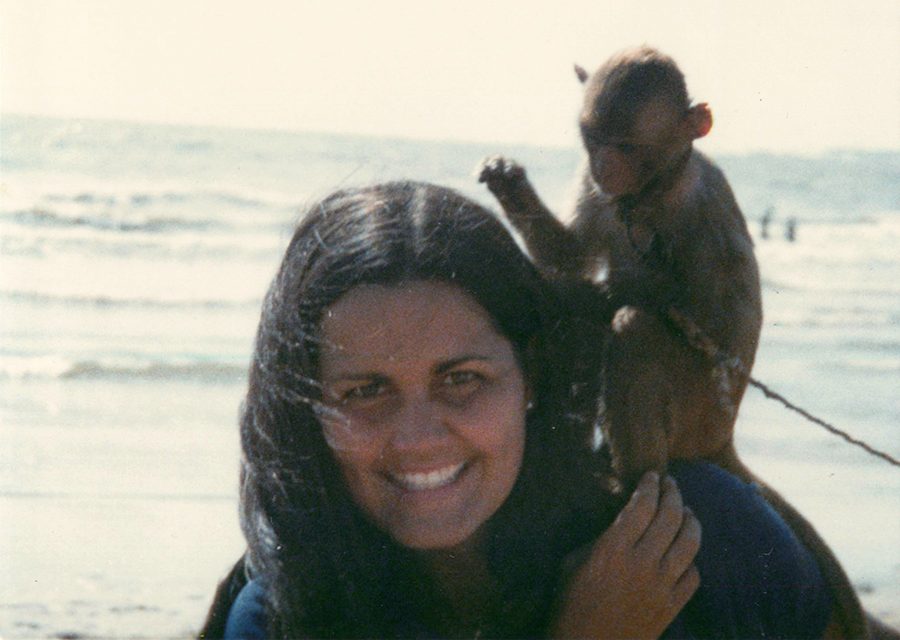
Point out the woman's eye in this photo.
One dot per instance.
(363, 392)
(458, 380)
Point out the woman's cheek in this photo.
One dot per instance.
(496, 413)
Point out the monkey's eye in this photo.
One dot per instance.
(625, 147)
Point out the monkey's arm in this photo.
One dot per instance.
(552, 246)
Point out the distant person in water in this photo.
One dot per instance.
(764, 223)
(411, 467)
(790, 229)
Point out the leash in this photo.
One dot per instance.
(696, 338)
(828, 427)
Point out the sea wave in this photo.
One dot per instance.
(148, 224)
(885, 347)
(879, 365)
(62, 368)
(146, 197)
(776, 286)
(37, 298)
(65, 191)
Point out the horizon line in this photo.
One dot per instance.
(391, 136)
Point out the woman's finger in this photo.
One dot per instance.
(640, 511)
(681, 553)
(661, 531)
(685, 587)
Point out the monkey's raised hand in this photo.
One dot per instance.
(507, 181)
(497, 170)
(639, 573)
(552, 246)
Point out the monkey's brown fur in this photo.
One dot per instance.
(663, 236)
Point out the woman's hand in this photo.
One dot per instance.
(639, 573)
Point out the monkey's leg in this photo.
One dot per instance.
(703, 426)
(638, 396)
(552, 246)
(659, 387)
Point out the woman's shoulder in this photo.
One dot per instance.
(757, 577)
(247, 617)
(226, 594)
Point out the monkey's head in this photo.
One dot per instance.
(637, 121)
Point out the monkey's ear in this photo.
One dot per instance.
(701, 119)
(581, 73)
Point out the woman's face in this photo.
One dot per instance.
(424, 409)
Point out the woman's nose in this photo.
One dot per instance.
(419, 422)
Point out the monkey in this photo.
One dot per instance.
(657, 229)
(657, 226)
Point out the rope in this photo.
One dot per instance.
(697, 339)
(828, 427)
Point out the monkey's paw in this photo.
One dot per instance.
(499, 173)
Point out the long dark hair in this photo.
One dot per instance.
(328, 572)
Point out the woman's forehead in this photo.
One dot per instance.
(408, 322)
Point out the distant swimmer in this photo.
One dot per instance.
(790, 229)
(764, 223)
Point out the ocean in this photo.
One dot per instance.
(133, 261)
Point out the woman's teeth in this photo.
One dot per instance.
(431, 480)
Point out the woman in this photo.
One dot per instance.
(414, 463)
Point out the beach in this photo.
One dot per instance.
(133, 261)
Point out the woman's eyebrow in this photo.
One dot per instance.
(350, 376)
(455, 362)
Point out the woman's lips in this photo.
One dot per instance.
(424, 481)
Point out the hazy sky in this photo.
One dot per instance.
(797, 76)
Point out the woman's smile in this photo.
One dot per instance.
(427, 480)
(425, 409)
